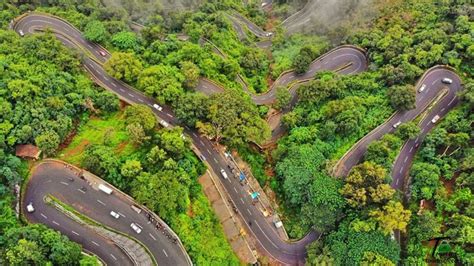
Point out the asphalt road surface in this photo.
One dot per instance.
(64, 183)
(432, 80)
(268, 240)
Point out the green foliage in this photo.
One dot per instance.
(366, 184)
(408, 130)
(162, 82)
(402, 97)
(95, 32)
(124, 66)
(283, 98)
(35, 244)
(234, 118)
(349, 247)
(125, 40)
(140, 114)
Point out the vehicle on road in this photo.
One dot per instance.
(21, 33)
(102, 53)
(105, 189)
(269, 34)
(157, 107)
(397, 124)
(164, 123)
(30, 207)
(224, 174)
(435, 119)
(183, 136)
(202, 157)
(447, 80)
(422, 88)
(136, 228)
(114, 214)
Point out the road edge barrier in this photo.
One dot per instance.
(180, 244)
(85, 220)
(337, 167)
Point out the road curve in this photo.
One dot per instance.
(268, 240)
(52, 177)
(434, 87)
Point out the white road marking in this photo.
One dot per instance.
(113, 257)
(266, 235)
(397, 182)
(56, 223)
(169, 115)
(215, 159)
(122, 215)
(432, 83)
(442, 109)
(122, 90)
(64, 183)
(411, 148)
(114, 85)
(207, 149)
(75, 233)
(235, 190)
(202, 143)
(416, 140)
(44, 216)
(81, 191)
(249, 211)
(95, 243)
(452, 101)
(106, 78)
(194, 134)
(88, 45)
(131, 95)
(401, 169)
(101, 202)
(241, 199)
(140, 100)
(165, 253)
(152, 236)
(406, 158)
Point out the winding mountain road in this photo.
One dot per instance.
(350, 60)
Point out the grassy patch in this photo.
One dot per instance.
(109, 130)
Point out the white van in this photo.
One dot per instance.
(105, 189)
(164, 123)
(224, 174)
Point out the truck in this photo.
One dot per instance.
(105, 189)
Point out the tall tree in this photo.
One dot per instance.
(124, 66)
(95, 31)
(402, 97)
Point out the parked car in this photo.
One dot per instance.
(224, 174)
(447, 80)
(21, 33)
(157, 107)
(164, 123)
(397, 124)
(422, 88)
(435, 119)
(30, 207)
(114, 214)
(136, 228)
(202, 157)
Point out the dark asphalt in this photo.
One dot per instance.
(268, 239)
(55, 179)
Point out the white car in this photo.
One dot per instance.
(397, 124)
(269, 34)
(136, 228)
(21, 33)
(224, 174)
(447, 80)
(422, 88)
(164, 123)
(183, 136)
(102, 53)
(435, 119)
(157, 107)
(30, 207)
(114, 214)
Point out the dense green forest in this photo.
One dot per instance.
(45, 96)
